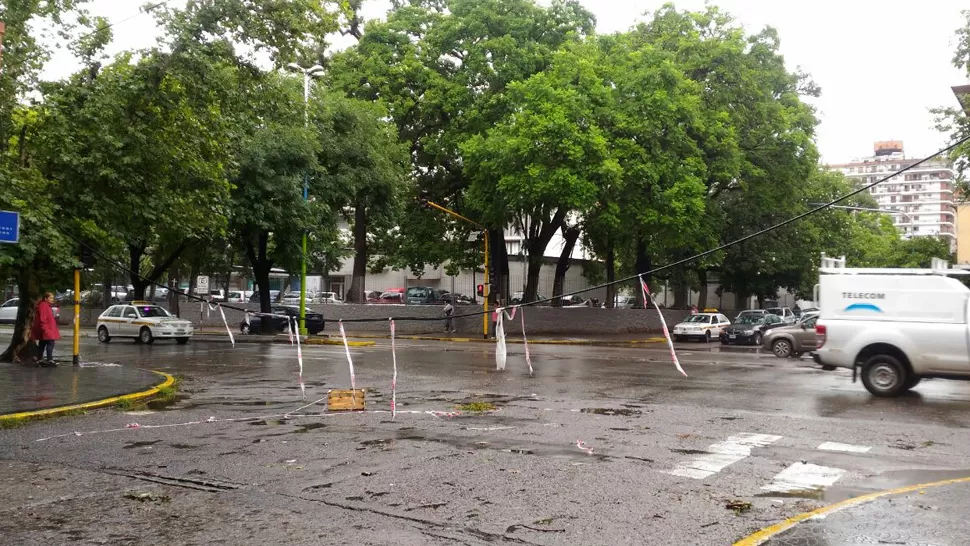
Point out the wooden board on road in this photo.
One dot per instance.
(345, 400)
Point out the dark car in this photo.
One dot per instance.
(750, 328)
(425, 295)
(277, 323)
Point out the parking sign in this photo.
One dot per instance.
(9, 226)
(202, 284)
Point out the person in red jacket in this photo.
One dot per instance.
(44, 329)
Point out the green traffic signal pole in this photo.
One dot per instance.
(307, 74)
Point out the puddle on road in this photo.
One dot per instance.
(133, 445)
(690, 451)
(184, 446)
(476, 444)
(612, 411)
(264, 422)
(303, 429)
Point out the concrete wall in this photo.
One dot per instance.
(547, 321)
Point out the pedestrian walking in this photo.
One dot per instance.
(44, 330)
(449, 321)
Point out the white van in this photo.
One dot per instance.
(894, 326)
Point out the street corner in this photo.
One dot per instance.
(927, 513)
(28, 394)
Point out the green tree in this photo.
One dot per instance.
(44, 256)
(955, 121)
(442, 69)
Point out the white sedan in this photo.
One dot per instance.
(704, 326)
(144, 322)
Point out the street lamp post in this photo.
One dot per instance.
(308, 73)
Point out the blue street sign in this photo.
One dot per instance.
(9, 226)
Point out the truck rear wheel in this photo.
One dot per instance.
(885, 376)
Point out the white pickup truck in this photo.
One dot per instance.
(894, 326)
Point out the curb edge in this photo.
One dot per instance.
(59, 410)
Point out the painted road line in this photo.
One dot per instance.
(763, 535)
(803, 477)
(722, 455)
(845, 448)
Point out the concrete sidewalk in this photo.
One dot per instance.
(931, 513)
(26, 388)
(332, 337)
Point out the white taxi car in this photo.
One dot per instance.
(143, 321)
(705, 326)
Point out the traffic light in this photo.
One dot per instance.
(481, 290)
(423, 199)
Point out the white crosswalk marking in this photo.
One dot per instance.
(846, 448)
(722, 455)
(801, 477)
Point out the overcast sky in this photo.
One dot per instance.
(880, 68)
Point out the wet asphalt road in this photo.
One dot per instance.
(656, 474)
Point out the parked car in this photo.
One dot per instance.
(794, 340)
(237, 296)
(750, 328)
(785, 313)
(392, 297)
(280, 320)
(328, 297)
(8, 311)
(517, 297)
(702, 326)
(425, 295)
(373, 296)
(754, 312)
(144, 322)
(274, 296)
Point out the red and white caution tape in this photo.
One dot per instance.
(525, 340)
(393, 377)
(299, 359)
(289, 330)
(226, 323)
(501, 352)
(350, 362)
(670, 343)
(582, 445)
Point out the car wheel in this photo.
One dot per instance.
(885, 376)
(181, 340)
(244, 328)
(724, 341)
(145, 336)
(781, 348)
(757, 339)
(103, 336)
(913, 381)
(707, 337)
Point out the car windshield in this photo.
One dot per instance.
(150, 311)
(750, 319)
(418, 292)
(776, 311)
(698, 318)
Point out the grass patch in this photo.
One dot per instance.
(477, 407)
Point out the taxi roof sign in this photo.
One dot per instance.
(710, 310)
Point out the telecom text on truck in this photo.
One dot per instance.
(894, 327)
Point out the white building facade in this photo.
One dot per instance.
(921, 200)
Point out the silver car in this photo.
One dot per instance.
(794, 340)
(144, 322)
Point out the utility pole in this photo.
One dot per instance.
(308, 73)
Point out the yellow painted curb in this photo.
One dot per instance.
(53, 412)
(313, 341)
(763, 535)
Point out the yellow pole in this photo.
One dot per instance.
(485, 289)
(77, 317)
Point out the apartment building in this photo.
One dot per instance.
(921, 200)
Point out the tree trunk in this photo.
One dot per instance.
(740, 301)
(498, 266)
(261, 266)
(21, 347)
(173, 295)
(610, 277)
(570, 236)
(643, 263)
(532, 280)
(355, 294)
(139, 282)
(538, 239)
(702, 280)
